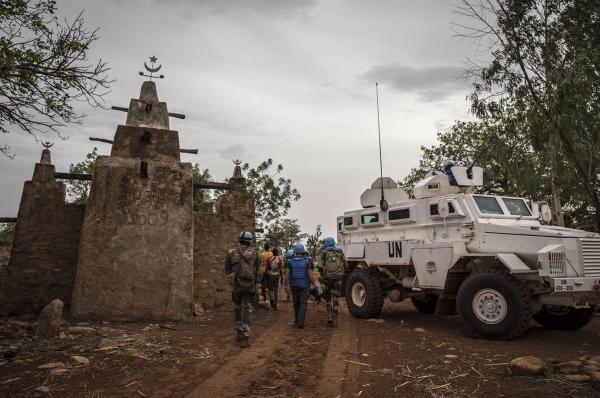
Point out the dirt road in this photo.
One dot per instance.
(402, 354)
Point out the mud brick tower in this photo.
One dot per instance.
(44, 251)
(136, 251)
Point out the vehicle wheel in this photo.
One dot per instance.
(564, 318)
(493, 304)
(425, 304)
(363, 294)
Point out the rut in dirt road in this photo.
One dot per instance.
(284, 361)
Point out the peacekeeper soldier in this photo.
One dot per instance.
(243, 266)
(332, 267)
(299, 276)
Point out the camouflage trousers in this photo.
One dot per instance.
(242, 303)
(332, 290)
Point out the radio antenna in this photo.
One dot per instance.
(382, 202)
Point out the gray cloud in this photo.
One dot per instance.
(194, 8)
(443, 124)
(232, 151)
(430, 83)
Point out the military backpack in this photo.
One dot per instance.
(245, 274)
(273, 266)
(333, 268)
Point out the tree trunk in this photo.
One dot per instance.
(557, 214)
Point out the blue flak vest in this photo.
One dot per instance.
(299, 272)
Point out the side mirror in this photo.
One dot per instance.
(443, 208)
(546, 212)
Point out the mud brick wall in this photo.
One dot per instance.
(135, 259)
(136, 252)
(45, 247)
(216, 230)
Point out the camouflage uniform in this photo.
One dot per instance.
(332, 288)
(243, 301)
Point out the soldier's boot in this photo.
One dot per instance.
(329, 319)
(239, 336)
(245, 342)
(273, 305)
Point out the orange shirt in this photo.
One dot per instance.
(266, 256)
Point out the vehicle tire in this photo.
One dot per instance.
(564, 318)
(493, 304)
(425, 304)
(364, 295)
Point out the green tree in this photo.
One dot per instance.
(545, 67)
(514, 168)
(44, 68)
(202, 195)
(505, 153)
(273, 193)
(284, 234)
(7, 233)
(79, 191)
(314, 242)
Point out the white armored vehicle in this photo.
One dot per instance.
(487, 258)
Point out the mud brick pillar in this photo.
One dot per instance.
(136, 251)
(44, 252)
(216, 230)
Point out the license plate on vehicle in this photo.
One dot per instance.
(566, 285)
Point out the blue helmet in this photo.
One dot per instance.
(290, 253)
(299, 249)
(245, 238)
(329, 241)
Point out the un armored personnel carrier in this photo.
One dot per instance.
(487, 258)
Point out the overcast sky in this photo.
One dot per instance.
(293, 80)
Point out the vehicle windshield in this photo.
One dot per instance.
(488, 205)
(491, 205)
(516, 207)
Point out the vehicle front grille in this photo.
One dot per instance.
(557, 263)
(590, 250)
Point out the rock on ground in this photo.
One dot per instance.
(50, 320)
(527, 366)
(80, 360)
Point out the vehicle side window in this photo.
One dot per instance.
(516, 207)
(340, 226)
(488, 205)
(433, 209)
(348, 221)
(400, 214)
(369, 218)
